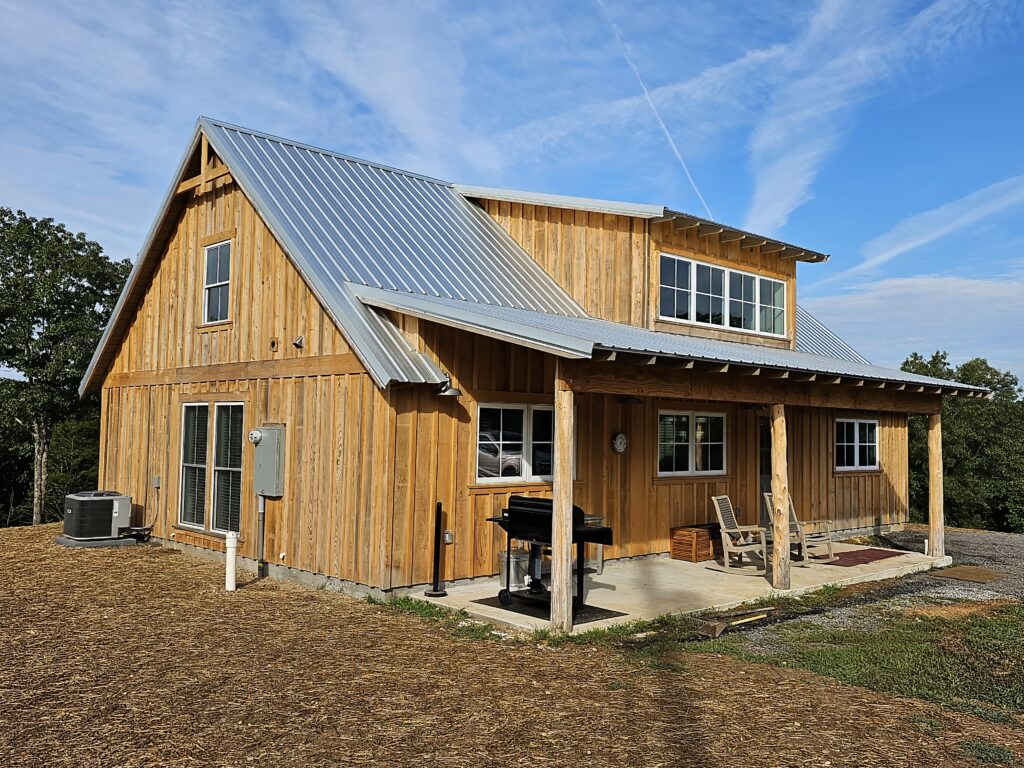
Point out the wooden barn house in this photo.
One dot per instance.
(424, 342)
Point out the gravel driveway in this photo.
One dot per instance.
(988, 549)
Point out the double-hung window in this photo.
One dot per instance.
(691, 443)
(856, 444)
(218, 273)
(225, 465)
(227, 468)
(704, 294)
(193, 464)
(515, 442)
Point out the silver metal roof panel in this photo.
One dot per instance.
(562, 201)
(570, 336)
(814, 337)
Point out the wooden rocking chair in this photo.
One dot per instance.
(805, 534)
(734, 541)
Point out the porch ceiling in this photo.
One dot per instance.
(580, 338)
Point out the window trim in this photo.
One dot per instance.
(213, 466)
(692, 450)
(208, 286)
(527, 410)
(726, 297)
(182, 465)
(857, 467)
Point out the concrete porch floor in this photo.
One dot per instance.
(645, 589)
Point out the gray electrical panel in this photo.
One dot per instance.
(268, 475)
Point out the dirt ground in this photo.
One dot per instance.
(137, 657)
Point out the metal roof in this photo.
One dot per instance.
(577, 337)
(814, 337)
(644, 211)
(347, 221)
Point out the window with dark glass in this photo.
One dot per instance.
(227, 468)
(742, 301)
(218, 271)
(691, 443)
(676, 294)
(193, 465)
(692, 292)
(500, 442)
(709, 297)
(856, 444)
(773, 306)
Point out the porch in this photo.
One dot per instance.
(628, 590)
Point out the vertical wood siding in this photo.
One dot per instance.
(608, 264)
(435, 459)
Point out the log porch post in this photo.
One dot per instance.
(780, 500)
(561, 522)
(936, 513)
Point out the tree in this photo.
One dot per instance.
(982, 448)
(57, 290)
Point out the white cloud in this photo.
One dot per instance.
(849, 53)
(934, 224)
(889, 319)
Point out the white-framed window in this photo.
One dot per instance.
(217, 280)
(704, 294)
(691, 443)
(195, 419)
(515, 442)
(856, 444)
(227, 467)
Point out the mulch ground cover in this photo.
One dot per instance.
(137, 657)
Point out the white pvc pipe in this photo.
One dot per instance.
(230, 550)
(926, 546)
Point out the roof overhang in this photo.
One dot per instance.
(653, 213)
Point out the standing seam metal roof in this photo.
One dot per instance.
(576, 337)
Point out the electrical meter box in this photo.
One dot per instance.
(268, 473)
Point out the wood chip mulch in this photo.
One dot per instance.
(137, 657)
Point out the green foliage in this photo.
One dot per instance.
(57, 290)
(986, 753)
(982, 448)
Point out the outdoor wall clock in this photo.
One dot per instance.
(620, 443)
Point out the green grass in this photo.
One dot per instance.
(973, 664)
(986, 753)
(455, 623)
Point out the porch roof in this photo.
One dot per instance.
(586, 337)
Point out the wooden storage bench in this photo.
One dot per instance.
(696, 543)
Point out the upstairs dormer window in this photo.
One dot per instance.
(218, 271)
(706, 294)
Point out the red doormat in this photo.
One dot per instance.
(862, 556)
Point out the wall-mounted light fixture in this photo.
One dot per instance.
(445, 388)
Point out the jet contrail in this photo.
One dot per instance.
(650, 102)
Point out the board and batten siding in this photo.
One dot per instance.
(609, 263)
(435, 460)
(333, 518)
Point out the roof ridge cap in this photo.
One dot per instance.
(321, 150)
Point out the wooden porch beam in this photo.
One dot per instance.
(674, 362)
(631, 358)
(773, 248)
(706, 230)
(936, 512)
(777, 374)
(732, 237)
(804, 377)
(603, 354)
(561, 518)
(780, 500)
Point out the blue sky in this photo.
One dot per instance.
(888, 134)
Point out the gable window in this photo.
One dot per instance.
(856, 444)
(690, 443)
(227, 468)
(515, 442)
(218, 270)
(193, 465)
(692, 292)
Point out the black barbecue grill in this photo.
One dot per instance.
(529, 520)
